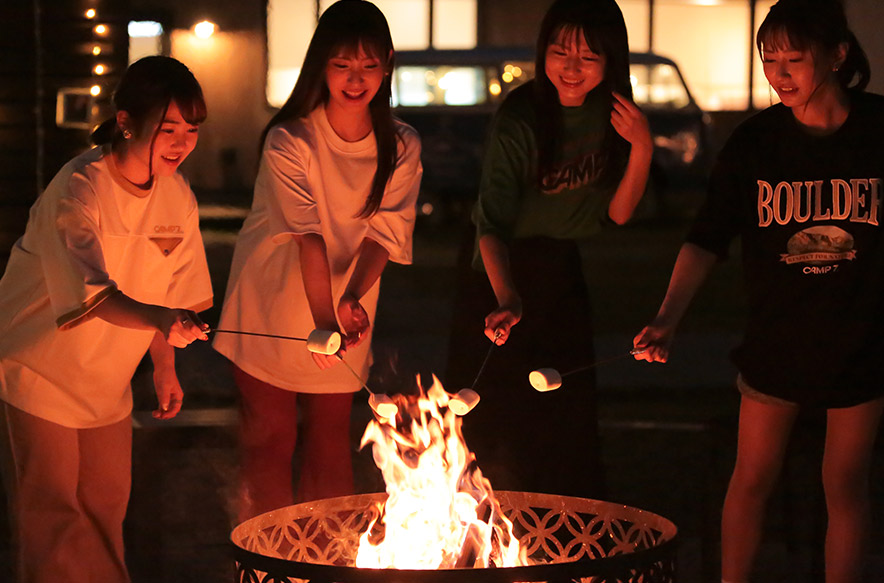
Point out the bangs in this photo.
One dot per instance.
(780, 37)
(192, 107)
(373, 47)
(569, 32)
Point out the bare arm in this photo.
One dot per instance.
(631, 124)
(316, 275)
(691, 269)
(178, 327)
(369, 267)
(165, 379)
(495, 256)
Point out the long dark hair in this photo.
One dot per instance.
(347, 25)
(147, 87)
(603, 27)
(820, 26)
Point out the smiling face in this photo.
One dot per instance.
(157, 148)
(353, 79)
(572, 67)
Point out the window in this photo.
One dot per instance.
(290, 24)
(145, 39)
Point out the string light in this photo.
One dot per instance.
(90, 14)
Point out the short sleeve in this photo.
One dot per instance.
(283, 179)
(719, 218)
(392, 225)
(505, 169)
(72, 255)
(191, 285)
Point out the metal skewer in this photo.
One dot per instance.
(632, 352)
(497, 335)
(549, 379)
(257, 334)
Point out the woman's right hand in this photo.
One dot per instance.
(653, 342)
(181, 327)
(500, 322)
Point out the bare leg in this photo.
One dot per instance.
(268, 430)
(850, 439)
(761, 444)
(327, 467)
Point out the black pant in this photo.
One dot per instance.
(523, 439)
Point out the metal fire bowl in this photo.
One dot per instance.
(568, 539)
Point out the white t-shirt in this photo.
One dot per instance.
(311, 181)
(88, 236)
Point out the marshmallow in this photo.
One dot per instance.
(463, 402)
(324, 342)
(545, 379)
(383, 405)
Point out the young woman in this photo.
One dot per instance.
(334, 201)
(568, 152)
(801, 185)
(113, 239)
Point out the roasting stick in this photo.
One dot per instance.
(319, 341)
(380, 403)
(328, 342)
(549, 379)
(465, 399)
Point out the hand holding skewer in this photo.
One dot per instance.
(549, 379)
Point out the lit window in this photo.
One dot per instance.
(290, 25)
(145, 39)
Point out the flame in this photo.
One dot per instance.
(440, 511)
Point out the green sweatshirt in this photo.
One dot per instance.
(570, 205)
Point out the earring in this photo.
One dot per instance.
(127, 134)
(835, 68)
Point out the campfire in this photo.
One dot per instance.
(440, 520)
(440, 512)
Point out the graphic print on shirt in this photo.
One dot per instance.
(574, 173)
(821, 248)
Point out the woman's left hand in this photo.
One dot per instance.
(169, 393)
(354, 320)
(629, 121)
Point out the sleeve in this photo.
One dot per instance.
(719, 218)
(393, 225)
(72, 255)
(283, 176)
(505, 169)
(191, 285)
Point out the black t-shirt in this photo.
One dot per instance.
(808, 211)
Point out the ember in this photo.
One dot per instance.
(440, 512)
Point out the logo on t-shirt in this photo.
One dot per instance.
(820, 247)
(573, 174)
(166, 244)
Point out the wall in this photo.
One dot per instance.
(865, 17)
(230, 67)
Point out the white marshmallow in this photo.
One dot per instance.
(463, 402)
(324, 342)
(383, 405)
(545, 379)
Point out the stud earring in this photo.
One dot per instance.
(127, 134)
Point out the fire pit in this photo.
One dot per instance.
(565, 539)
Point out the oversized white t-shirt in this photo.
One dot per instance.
(311, 181)
(87, 237)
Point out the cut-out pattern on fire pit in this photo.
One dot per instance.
(568, 539)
